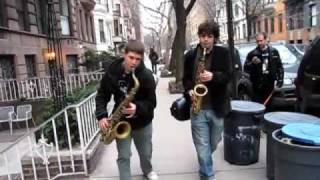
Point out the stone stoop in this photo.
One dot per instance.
(92, 155)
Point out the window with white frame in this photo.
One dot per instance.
(64, 17)
(313, 15)
(101, 31)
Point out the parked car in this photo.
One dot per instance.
(285, 95)
(297, 49)
(308, 78)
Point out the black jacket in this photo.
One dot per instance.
(145, 99)
(222, 72)
(275, 68)
(154, 57)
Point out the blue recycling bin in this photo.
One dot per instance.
(297, 152)
(276, 120)
(241, 134)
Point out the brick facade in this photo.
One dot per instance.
(22, 35)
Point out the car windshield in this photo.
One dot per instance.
(287, 57)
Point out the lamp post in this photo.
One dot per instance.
(54, 55)
(231, 43)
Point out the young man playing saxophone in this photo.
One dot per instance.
(207, 115)
(119, 82)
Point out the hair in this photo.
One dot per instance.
(210, 28)
(265, 36)
(134, 46)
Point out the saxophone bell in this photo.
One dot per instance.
(200, 90)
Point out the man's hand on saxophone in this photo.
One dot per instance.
(206, 76)
(104, 123)
(129, 110)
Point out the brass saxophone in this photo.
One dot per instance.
(117, 128)
(199, 89)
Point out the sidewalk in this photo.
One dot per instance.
(174, 156)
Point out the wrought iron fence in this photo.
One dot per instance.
(37, 88)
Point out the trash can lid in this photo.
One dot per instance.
(247, 106)
(303, 132)
(283, 118)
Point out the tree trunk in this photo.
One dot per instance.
(179, 43)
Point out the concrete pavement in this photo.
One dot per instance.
(174, 156)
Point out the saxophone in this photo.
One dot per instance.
(199, 89)
(117, 128)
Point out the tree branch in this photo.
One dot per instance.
(152, 10)
(189, 7)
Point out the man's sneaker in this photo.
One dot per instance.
(152, 175)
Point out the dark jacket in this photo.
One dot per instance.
(222, 72)
(275, 68)
(145, 99)
(153, 56)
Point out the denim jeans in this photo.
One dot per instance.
(142, 140)
(206, 133)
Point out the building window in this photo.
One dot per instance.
(259, 26)
(300, 18)
(280, 22)
(3, 18)
(107, 6)
(236, 10)
(31, 65)
(313, 15)
(101, 30)
(117, 10)
(254, 28)
(92, 29)
(244, 30)
(64, 17)
(72, 63)
(82, 25)
(23, 15)
(41, 10)
(116, 27)
(266, 28)
(7, 70)
(120, 29)
(272, 24)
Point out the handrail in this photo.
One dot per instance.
(47, 121)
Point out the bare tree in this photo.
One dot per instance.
(156, 27)
(250, 8)
(213, 8)
(179, 42)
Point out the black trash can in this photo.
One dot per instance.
(296, 159)
(241, 134)
(276, 120)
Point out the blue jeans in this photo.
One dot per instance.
(142, 140)
(206, 133)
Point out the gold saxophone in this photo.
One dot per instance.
(117, 128)
(199, 89)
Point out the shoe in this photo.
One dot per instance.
(152, 175)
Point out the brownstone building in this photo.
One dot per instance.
(271, 18)
(303, 20)
(23, 35)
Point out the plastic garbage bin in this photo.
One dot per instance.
(276, 120)
(296, 150)
(242, 132)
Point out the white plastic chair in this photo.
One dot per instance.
(7, 115)
(24, 113)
